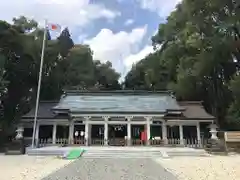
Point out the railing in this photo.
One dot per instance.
(190, 142)
(117, 142)
(195, 143)
(156, 142)
(137, 142)
(79, 141)
(44, 142)
(96, 142)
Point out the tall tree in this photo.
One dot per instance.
(65, 42)
(200, 52)
(19, 68)
(57, 52)
(105, 76)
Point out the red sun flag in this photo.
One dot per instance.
(54, 27)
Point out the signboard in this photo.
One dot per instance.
(232, 136)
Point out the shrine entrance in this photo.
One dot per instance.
(117, 135)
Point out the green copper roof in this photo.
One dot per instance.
(117, 102)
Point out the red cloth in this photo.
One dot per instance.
(143, 135)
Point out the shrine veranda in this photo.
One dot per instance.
(117, 118)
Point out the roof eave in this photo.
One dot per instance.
(120, 92)
(191, 118)
(117, 112)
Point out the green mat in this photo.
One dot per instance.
(74, 154)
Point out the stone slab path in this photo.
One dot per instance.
(112, 169)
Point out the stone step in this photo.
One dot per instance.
(121, 154)
(113, 151)
(12, 152)
(45, 153)
(119, 157)
(187, 153)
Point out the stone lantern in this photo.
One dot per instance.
(16, 146)
(214, 144)
(213, 131)
(19, 131)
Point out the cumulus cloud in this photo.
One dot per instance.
(129, 22)
(163, 8)
(66, 12)
(115, 47)
(134, 58)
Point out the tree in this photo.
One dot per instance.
(17, 48)
(24, 24)
(199, 53)
(65, 42)
(105, 76)
(56, 53)
(148, 74)
(65, 66)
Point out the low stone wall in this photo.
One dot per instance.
(233, 146)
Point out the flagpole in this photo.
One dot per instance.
(39, 84)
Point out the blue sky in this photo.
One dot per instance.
(119, 31)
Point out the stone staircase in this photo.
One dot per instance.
(99, 152)
(55, 151)
(122, 153)
(187, 152)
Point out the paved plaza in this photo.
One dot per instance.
(182, 166)
(112, 169)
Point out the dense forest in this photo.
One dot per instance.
(66, 66)
(197, 55)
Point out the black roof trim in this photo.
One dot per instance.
(186, 118)
(176, 110)
(116, 112)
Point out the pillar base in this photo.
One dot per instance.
(148, 142)
(129, 142)
(105, 142)
(181, 141)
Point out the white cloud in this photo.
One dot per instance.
(163, 8)
(129, 22)
(81, 38)
(115, 47)
(66, 12)
(134, 58)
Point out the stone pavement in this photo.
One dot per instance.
(112, 169)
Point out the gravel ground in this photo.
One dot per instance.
(109, 169)
(25, 167)
(203, 168)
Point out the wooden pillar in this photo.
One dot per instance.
(148, 128)
(71, 129)
(129, 131)
(181, 134)
(86, 134)
(106, 130)
(164, 132)
(54, 133)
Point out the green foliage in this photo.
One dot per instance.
(199, 55)
(65, 66)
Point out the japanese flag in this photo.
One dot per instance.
(54, 27)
